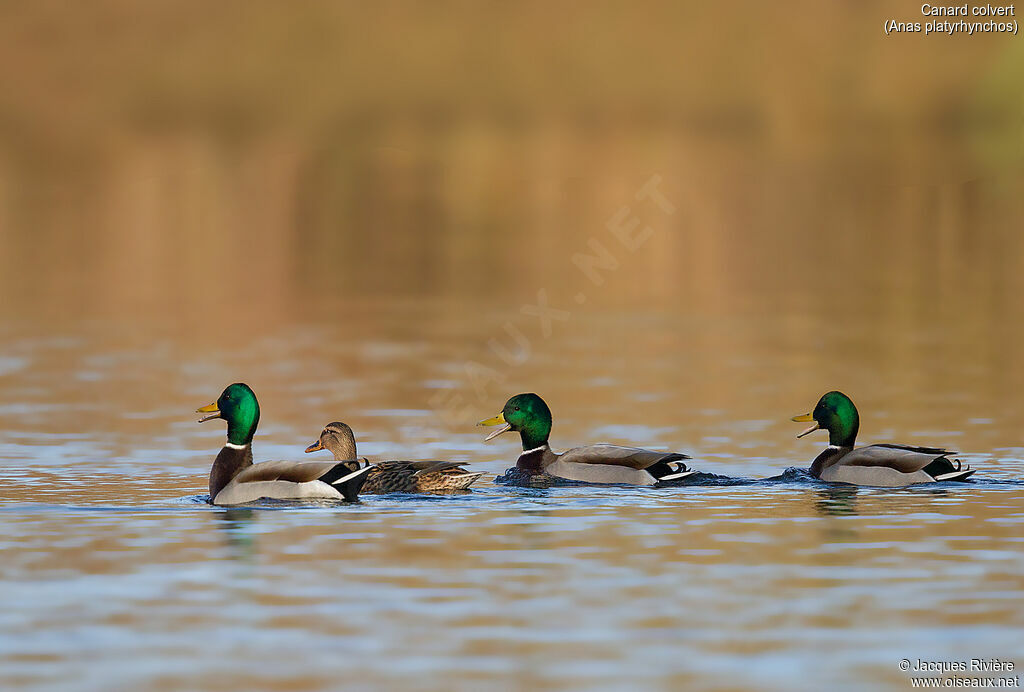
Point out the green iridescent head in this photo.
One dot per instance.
(238, 406)
(836, 413)
(526, 414)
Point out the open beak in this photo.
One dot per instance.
(805, 419)
(315, 447)
(497, 420)
(211, 409)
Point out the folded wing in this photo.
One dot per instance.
(631, 457)
(290, 471)
(422, 467)
(905, 459)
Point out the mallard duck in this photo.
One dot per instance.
(394, 476)
(528, 415)
(884, 465)
(234, 479)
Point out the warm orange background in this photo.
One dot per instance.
(154, 153)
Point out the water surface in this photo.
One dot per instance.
(118, 575)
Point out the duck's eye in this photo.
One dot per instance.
(517, 408)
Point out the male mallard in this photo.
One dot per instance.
(234, 479)
(394, 476)
(885, 465)
(528, 415)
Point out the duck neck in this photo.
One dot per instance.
(343, 448)
(242, 425)
(231, 461)
(533, 441)
(843, 432)
(841, 419)
(535, 434)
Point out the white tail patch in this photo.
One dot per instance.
(676, 476)
(954, 474)
(352, 475)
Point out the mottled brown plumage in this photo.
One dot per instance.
(395, 476)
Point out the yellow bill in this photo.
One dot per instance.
(806, 418)
(212, 409)
(497, 420)
(315, 447)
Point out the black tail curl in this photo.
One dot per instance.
(943, 469)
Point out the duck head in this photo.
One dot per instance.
(238, 406)
(338, 439)
(836, 413)
(526, 414)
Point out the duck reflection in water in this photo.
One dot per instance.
(837, 500)
(848, 500)
(237, 524)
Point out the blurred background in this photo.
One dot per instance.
(348, 205)
(177, 166)
(247, 158)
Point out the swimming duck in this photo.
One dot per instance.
(394, 476)
(528, 415)
(234, 479)
(884, 465)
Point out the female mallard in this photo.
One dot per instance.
(394, 476)
(528, 415)
(234, 479)
(885, 465)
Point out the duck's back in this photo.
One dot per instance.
(419, 477)
(878, 476)
(611, 464)
(884, 465)
(283, 480)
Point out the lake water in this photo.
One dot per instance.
(117, 575)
